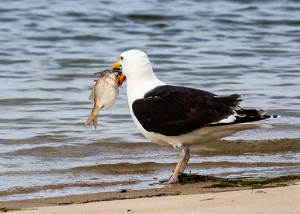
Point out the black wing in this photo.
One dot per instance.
(173, 110)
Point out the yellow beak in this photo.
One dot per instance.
(116, 65)
(122, 77)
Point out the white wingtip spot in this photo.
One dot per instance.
(229, 119)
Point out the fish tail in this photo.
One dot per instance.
(92, 118)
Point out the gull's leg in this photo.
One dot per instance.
(183, 157)
(185, 160)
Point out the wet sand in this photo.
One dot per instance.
(188, 198)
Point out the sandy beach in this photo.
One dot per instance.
(189, 198)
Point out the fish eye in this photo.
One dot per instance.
(121, 57)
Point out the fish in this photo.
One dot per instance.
(104, 93)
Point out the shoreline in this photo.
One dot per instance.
(205, 190)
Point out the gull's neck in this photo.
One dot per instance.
(139, 85)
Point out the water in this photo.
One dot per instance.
(49, 51)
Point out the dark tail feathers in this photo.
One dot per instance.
(250, 115)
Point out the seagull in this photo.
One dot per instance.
(180, 116)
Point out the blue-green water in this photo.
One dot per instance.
(49, 51)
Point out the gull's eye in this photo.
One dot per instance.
(121, 57)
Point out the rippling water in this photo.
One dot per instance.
(50, 50)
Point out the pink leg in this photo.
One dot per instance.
(183, 159)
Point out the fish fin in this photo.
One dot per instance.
(91, 97)
(109, 106)
(99, 73)
(92, 118)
